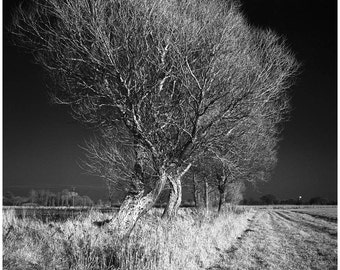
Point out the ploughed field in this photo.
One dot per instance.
(292, 237)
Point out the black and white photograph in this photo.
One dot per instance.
(169, 134)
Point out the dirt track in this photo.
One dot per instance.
(283, 239)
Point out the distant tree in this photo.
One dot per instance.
(59, 199)
(176, 77)
(234, 193)
(248, 156)
(81, 200)
(318, 201)
(196, 188)
(268, 199)
(18, 200)
(111, 191)
(47, 198)
(33, 196)
(8, 198)
(289, 201)
(40, 196)
(196, 185)
(333, 202)
(65, 198)
(100, 202)
(52, 200)
(252, 201)
(244, 202)
(87, 201)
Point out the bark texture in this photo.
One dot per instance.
(221, 201)
(195, 190)
(175, 197)
(136, 205)
(206, 193)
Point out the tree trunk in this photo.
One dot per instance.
(195, 187)
(221, 201)
(133, 207)
(206, 193)
(136, 205)
(175, 197)
(198, 196)
(109, 189)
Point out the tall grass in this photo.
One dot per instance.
(192, 241)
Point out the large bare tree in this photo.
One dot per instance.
(176, 76)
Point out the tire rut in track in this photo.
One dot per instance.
(314, 248)
(253, 247)
(245, 233)
(328, 219)
(240, 239)
(303, 220)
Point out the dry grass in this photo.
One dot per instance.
(193, 241)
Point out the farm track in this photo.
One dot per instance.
(283, 239)
(330, 219)
(306, 220)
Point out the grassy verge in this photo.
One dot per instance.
(193, 241)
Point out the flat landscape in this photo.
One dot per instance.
(170, 147)
(286, 239)
(242, 238)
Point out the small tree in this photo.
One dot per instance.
(268, 199)
(234, 192)
(318, 200)
(196, 190)
(248, 156)
(65, 198)
(33, 196)
(87, 201)
(8, 198)
(59, 199)
(176, 76)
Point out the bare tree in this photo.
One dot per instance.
(33, 196)
(249, 155)
(196, 186)
(177, 76)
(127, 169)
(234, 194)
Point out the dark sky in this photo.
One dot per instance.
(41, 141)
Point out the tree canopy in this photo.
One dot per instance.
(171, 80)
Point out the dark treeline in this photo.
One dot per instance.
(270, 199)
(200, 197)
(47, 198)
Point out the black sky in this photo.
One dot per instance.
(41, 140)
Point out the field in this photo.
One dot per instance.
(286, 239)
(241, 238)
(327, 213)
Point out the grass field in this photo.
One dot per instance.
(242, 238)
(191, 242)
(328, 213)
